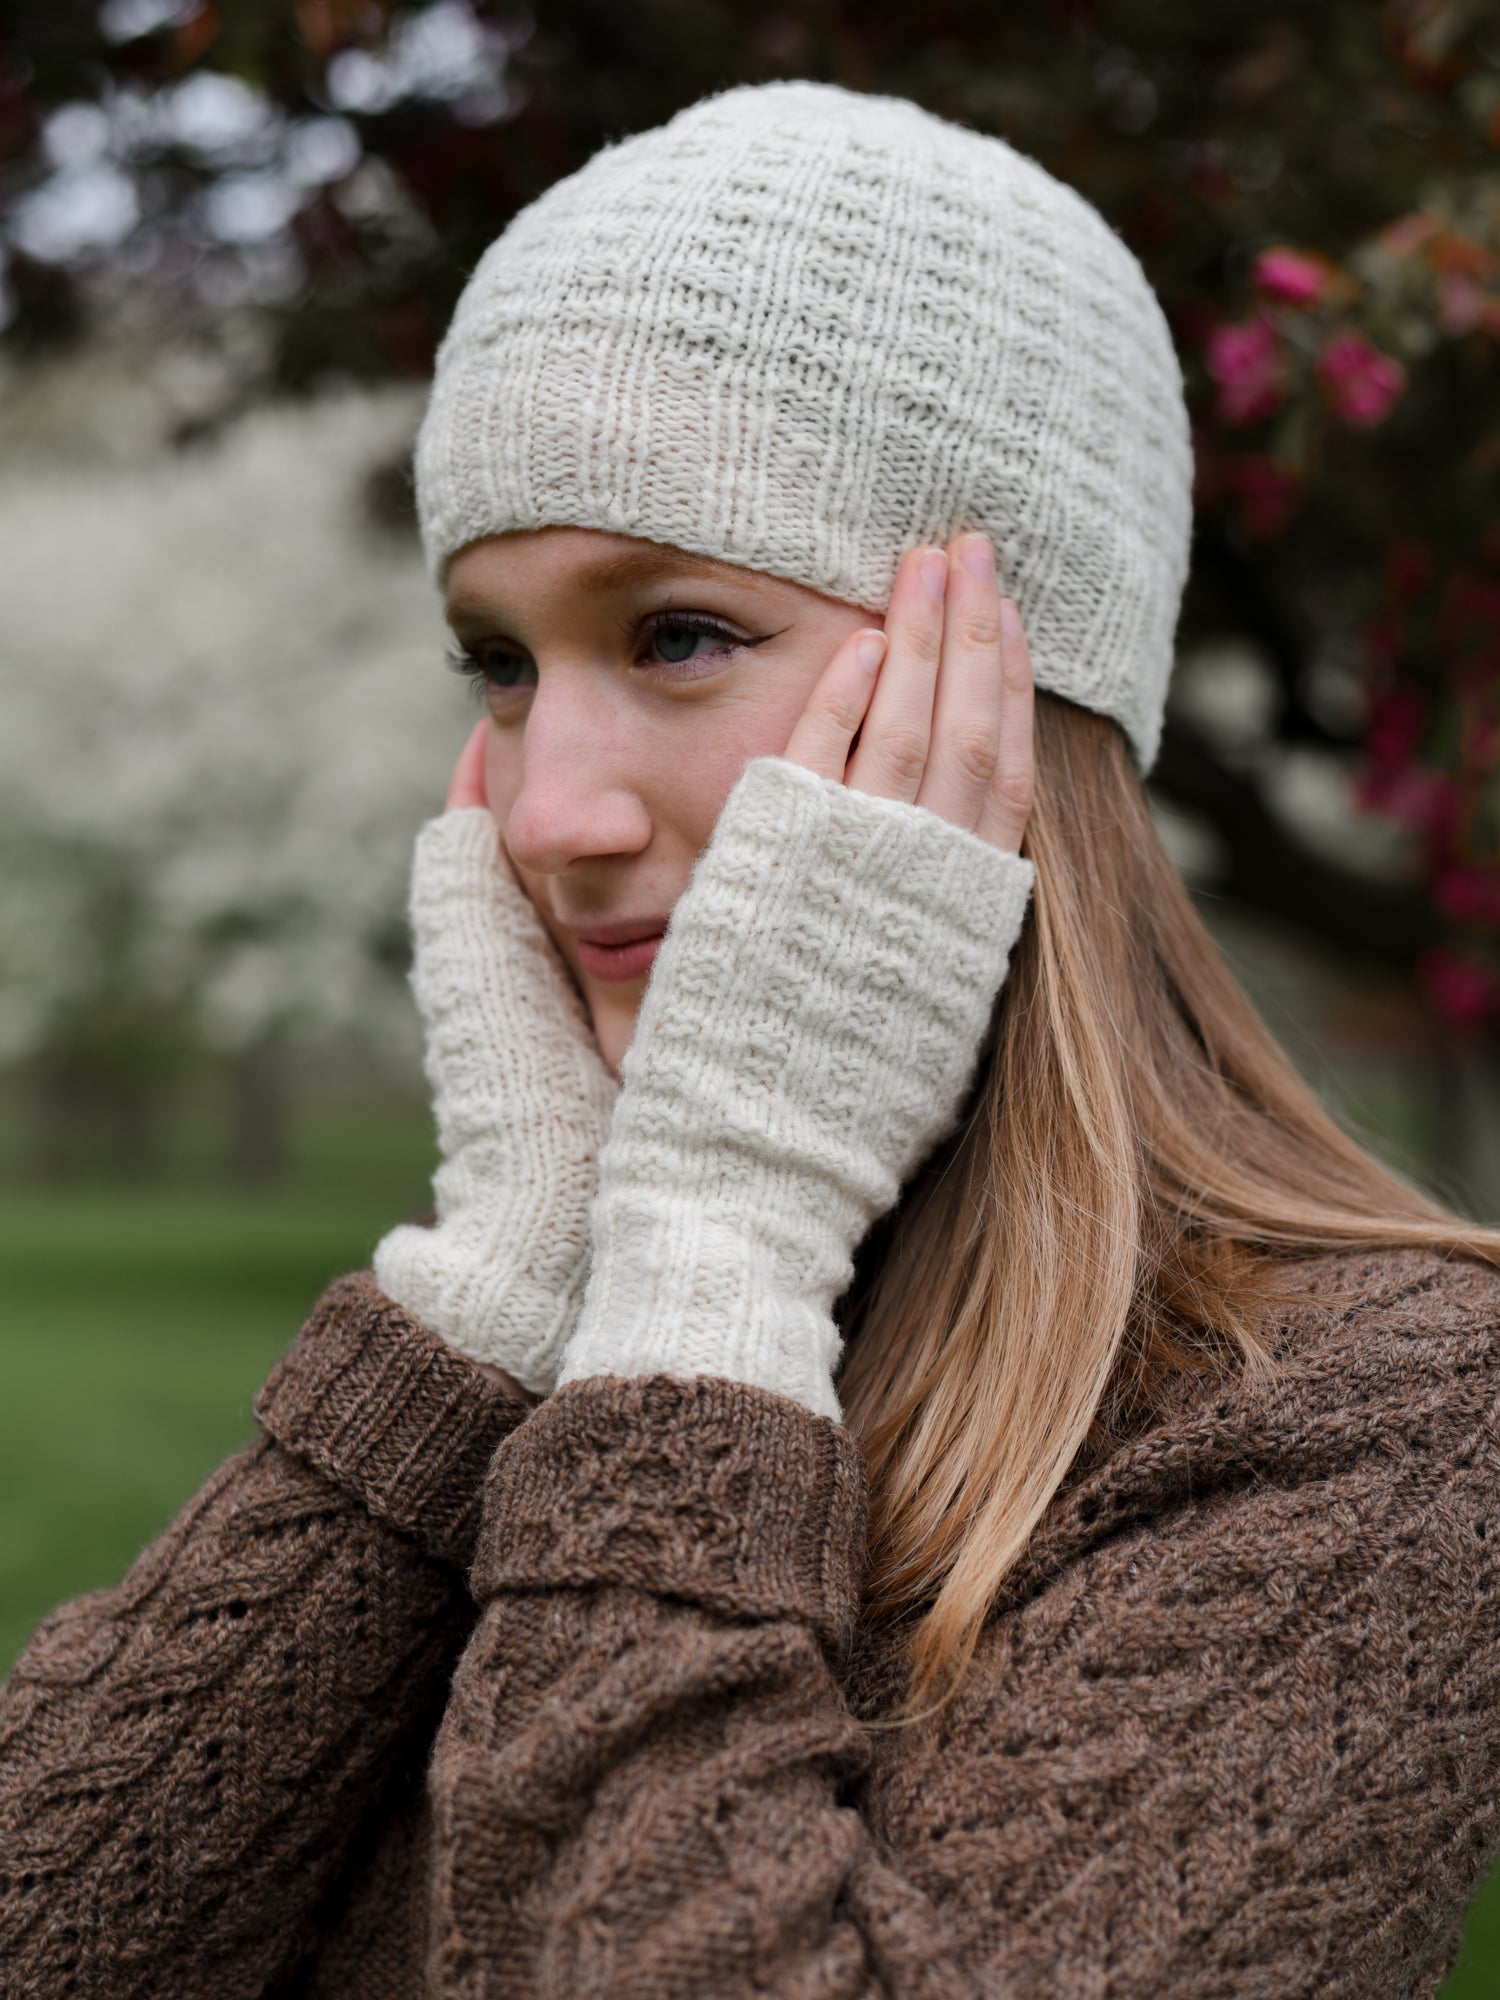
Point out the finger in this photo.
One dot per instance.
(1007, 802)
(466, 786)
(965, 747)
(837, 706)
(892, 753)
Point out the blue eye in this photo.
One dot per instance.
(676, 642)
(490, 667)
(673, 640)
(507, 670)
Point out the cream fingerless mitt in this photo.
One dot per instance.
(810, 1031)
(522, 1099)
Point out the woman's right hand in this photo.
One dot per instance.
(522, 1099)
(818, 1005)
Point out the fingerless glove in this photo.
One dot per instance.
(810, 1031)
(522, 1099)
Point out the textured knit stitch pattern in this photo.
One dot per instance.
(803, 329)
(192, 1761)
(810, 1030)
(1233, 1732)
(522, 1099)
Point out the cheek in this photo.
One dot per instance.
(699, 768)
(682, 761)
(703, 776)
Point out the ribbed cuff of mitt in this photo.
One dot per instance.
(810, 1032)
(388, 1412)
(707, 1491)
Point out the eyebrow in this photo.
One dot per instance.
(624, 569)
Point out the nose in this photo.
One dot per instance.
(576, 801)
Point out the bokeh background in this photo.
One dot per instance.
(231, 232)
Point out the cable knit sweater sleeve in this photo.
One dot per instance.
(1234, 1730)
(186, 1758)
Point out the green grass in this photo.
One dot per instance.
(1477, 1974)
(136, 1325)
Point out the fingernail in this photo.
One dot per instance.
(1010, 618)
(870, 651)
(934, 569)
(977, 554)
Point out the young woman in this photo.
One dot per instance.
(912, 1458)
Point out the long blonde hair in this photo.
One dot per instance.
(1139, 1158)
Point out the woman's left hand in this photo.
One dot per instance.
(522, 1099)
(936, 711)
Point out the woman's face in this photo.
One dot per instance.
(628, 685)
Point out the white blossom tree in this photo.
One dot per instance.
(224, 715)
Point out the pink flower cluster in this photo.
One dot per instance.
(1248, 359)
(1409, 772)
(1394, 782)
(1427, 801)
(1362, 383)
(1460, 979)
(1290, 276)
(1245, 360)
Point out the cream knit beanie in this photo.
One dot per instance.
(804, 329)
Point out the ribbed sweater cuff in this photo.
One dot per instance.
(708, 1490)
(385, 1410)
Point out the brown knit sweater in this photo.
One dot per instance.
(1234, 1730)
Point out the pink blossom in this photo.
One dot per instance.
(1464, 992)
(1245, 360)
(1423, 800)
(1362, 381)
(1469, 895)
(1288, 275)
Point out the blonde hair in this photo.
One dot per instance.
(1139, 1158)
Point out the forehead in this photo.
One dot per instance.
(590, 561)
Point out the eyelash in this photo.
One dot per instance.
(476, 669)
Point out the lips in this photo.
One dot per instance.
(619, 951)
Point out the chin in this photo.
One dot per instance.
(613, 1016)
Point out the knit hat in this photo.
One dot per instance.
(805, 329)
